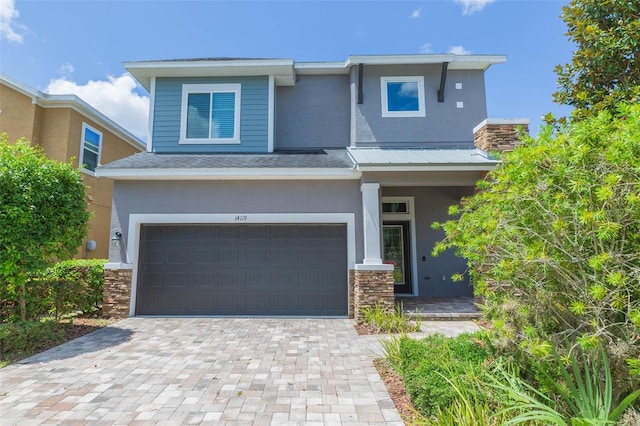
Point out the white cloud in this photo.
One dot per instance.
(66, 69)
(426, 48)
(9, 28)
(469, 7)
(416, 13)
(459, 50)
(114, 97)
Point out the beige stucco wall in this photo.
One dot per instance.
(18, 114)
(58, 131)
(99, 190)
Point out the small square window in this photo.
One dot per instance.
(210, 113)
(402, 96)
(90, 148)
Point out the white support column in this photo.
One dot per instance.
(371, 214)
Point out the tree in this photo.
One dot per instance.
(43, 213)
(553, 240)
(605, 68)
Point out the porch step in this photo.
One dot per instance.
(445, 316)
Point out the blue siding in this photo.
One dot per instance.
(253, 115)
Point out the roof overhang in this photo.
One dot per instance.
(415, 160)
(75, 103)
(228, 174)
(282, 69)
(456, 62)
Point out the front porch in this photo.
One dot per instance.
(440, 309)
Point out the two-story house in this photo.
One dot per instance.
(66, 127)
(271, 187)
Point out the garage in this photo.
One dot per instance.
(243, 269)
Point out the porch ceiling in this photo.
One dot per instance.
(381, 159)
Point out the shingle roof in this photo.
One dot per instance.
(323, 159)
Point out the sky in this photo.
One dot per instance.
(78, 47)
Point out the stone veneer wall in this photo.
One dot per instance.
(371, 287)
(352, 283)
(117, 293)
(498, 137)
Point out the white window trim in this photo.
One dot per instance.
(209, 88)
(81, 156)
(403, 79)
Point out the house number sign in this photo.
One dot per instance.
(241, 218)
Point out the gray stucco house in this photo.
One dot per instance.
(271, 187)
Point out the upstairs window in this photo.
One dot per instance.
(210, 113)
(402, 96)
(91, 145)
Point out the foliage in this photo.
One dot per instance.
(43, 213)
(391, 349)
(471, 407)
(605, 68)
(24, 338)
(70, 286)
(428, 364)
(553, 242)
(396, 321)
(73, 285)
(586, 399)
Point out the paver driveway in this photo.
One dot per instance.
(202, 370)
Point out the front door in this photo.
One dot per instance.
(396, 252)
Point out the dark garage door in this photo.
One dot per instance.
(261, 269)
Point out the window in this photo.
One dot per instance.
(90, 149)
(402, 96)
(210, 113)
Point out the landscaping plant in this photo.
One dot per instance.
(384, 321)
(553, 243)
(43, 215)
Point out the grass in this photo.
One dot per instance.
(22, 339)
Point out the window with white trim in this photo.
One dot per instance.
(90, 148)
(402, 96)
(210, 113)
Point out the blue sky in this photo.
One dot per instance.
(79, 46)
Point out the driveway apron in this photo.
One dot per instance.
(202, 371)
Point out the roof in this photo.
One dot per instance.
(317, 164)
(381, 159)
(75, 103)
(284, 70)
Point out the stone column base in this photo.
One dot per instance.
(117, 293)
(372, 284)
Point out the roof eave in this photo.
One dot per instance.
(229, 173)
(282, 69)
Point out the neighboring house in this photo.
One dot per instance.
(65, 126)
(271, 187)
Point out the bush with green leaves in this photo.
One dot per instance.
(553, 242)
(43, 214)
(428, 364)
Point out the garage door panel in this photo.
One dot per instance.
(242, 270)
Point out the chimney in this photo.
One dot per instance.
(499, 134)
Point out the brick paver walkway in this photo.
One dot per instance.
(202, 371)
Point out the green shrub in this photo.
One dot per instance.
(23, 338)
(74, 285)
(396, 321)
(553, 242)
(429, 363)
